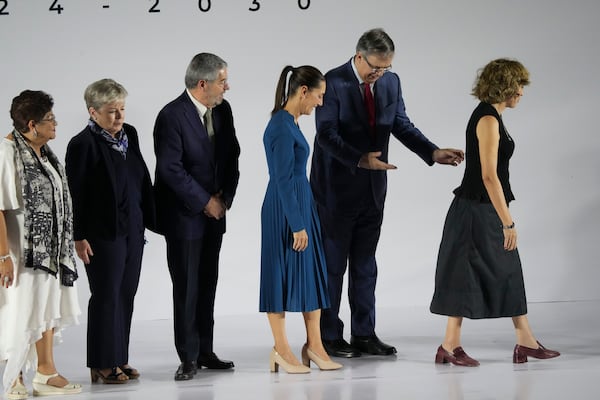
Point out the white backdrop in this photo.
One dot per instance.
(440, 45)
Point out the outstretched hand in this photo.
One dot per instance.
(448, 156)
(371, 161)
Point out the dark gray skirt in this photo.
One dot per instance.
(475, 277)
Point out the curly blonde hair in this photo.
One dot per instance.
(500, 80)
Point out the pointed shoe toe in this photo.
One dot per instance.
(276, 361)
(324, 365)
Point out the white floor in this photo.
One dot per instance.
(571, 327)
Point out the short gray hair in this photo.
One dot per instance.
(375, 41)
(103, 92)
(203, 67)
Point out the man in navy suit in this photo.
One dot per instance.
(362, 106)
(196, 178)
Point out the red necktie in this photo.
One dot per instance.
(370, 105)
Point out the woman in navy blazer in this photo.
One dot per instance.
(112, 206)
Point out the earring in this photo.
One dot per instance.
(35, 134)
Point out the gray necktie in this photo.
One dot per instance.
(208, 124)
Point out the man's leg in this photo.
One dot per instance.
(207, 287)
(205, 307)
(362, 281)
(363, 272)
(183, 257)
(337, 234)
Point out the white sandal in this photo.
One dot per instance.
(17, 392)
(42, 388)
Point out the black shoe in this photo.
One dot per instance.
(340, 348)
(372, 345)
(211, 361)
(186, 371)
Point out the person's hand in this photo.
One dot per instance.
(83, 250)
(300, 240)
(220, 197)
(215, 208)
(371, 161)
(510, 238)
(448, 156)
(6, 272)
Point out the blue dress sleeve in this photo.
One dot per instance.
(280, 143)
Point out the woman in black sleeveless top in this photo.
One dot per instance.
(479, 271)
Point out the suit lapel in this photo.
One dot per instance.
(105, 155)
(191, 114)
(355, 95)
(199, 130)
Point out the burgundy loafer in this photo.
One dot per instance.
(521, 353)
(457, 357)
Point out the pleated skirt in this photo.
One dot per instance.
(475, 276)
(291, 280)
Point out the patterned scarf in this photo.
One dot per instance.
(48, 228)
(118, 143)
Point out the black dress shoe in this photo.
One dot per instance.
(340, 348)
(186, 371)
(211, 361)
(372, 345)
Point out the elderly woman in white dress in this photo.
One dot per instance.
(37, 268)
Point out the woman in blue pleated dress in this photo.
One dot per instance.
(293, 270)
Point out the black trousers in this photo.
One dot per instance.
(113, 276)
(194, 266)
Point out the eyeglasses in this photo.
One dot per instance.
(52, 120)
(221, 83)
(375, 69)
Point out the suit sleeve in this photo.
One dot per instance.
(280, 143)
(408, 134)
(80, 155)
(231, 162)
(328, 134)
(148, 206)
(168, 147)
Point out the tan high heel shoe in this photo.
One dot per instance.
(276, 361)
(308, 355)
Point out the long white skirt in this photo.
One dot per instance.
(35, 303)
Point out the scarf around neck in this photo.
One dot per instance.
(119, 143)
(48, 217)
